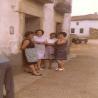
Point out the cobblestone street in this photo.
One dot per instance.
(79, 80)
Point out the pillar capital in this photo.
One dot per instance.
(63, 6)
(66, 23)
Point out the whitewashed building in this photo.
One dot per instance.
(84, 24)
(18, 16)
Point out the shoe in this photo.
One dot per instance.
(57, 69)
(37, 74)
(41, 69)
(61, 69)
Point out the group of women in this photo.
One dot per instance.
(37, 48)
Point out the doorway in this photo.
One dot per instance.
(58, 27)
(32, 23)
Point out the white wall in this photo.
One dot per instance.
(8, 18)
(86, 24)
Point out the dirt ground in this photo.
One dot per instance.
(79, 80)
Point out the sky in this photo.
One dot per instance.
(83, 7)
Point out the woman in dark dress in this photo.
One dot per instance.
(30, 54)
(61, 50)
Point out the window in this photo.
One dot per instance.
(77, 23)
(72, 30)
(81, 30)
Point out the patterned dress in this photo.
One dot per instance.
(30, 53)
(60, 51)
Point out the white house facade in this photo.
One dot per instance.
(82, 25)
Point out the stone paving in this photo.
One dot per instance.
(79, 80)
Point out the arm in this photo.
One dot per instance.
(39, 42)
(25, 44)
(50, 44)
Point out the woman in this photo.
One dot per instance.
(61, 50)
(30, 54)
(49, 54)
(40, 46)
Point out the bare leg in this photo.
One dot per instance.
(36, 67)
(60, 64)
(43, 62)
(50, 64)
(39, 64)
(34, 70)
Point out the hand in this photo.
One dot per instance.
(46, 42)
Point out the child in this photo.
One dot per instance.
(49, 55)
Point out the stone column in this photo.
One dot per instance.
(49, 19)
(66, 23)
(67, 17)
(66, 28)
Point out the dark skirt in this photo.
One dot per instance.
(61, 51)
(61, 55)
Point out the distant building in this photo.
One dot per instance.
(85, 25)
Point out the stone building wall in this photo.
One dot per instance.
(12, 20)
(13, 17)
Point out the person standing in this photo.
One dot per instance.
(49, 54)
(30, 53)
(6, 77)
(61, 50)
(40, 41)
